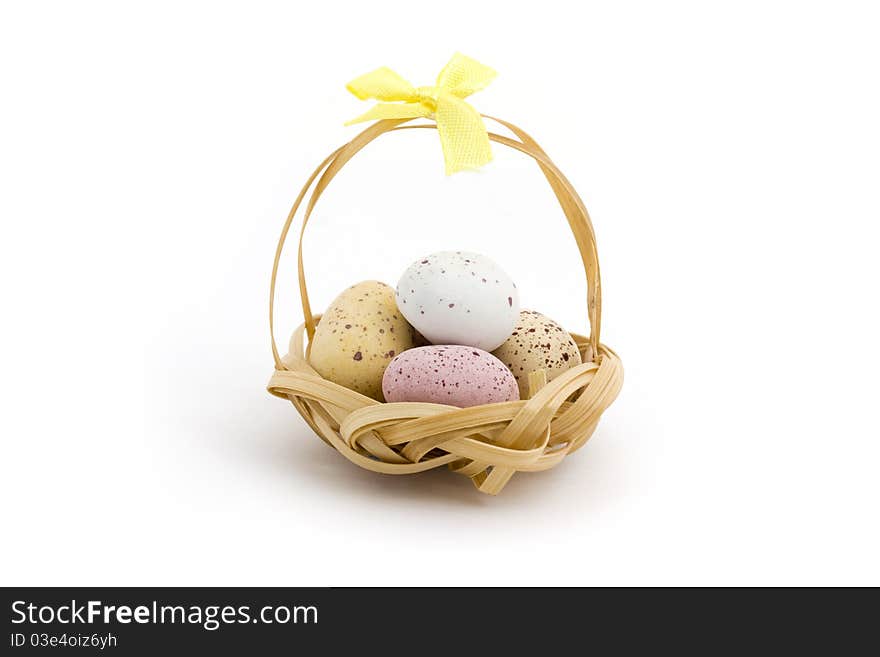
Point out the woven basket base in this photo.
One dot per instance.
(487, 443)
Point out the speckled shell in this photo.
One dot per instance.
(449, 374)
(537, 342)
(357, 337)
(461, 298)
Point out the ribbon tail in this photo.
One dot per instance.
(463, 135)
(392, 111)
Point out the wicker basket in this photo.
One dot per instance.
(487, 443)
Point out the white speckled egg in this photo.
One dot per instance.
(448, 374)
(461, 298)
(358, 336)
(537, 343)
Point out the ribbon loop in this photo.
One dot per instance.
(463, 135)
(464, 76)
(381, 84)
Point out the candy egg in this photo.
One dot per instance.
(537, 342)
(357, 337)
(456, 297)
(448, 374)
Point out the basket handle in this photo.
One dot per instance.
(572, 206)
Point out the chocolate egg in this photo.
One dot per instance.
(461, 298)
(448, 374)
(537, 343)
(357, 337)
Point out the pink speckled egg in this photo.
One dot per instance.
(448, 374)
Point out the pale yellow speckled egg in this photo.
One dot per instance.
(357, 337)
(537, 342)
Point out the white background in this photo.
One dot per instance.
(730, 157)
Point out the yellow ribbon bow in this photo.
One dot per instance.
(462, 133)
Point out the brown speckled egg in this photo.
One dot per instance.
(537, 343)
(357, 337)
